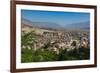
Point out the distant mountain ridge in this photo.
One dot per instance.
(50, 25)
(45, 25)
(80, 25)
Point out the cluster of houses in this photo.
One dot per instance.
(57, 40)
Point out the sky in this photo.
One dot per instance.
(61, 18)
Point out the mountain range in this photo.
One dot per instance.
(51, 25)
(79, 25)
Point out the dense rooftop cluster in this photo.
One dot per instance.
(57, 40)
